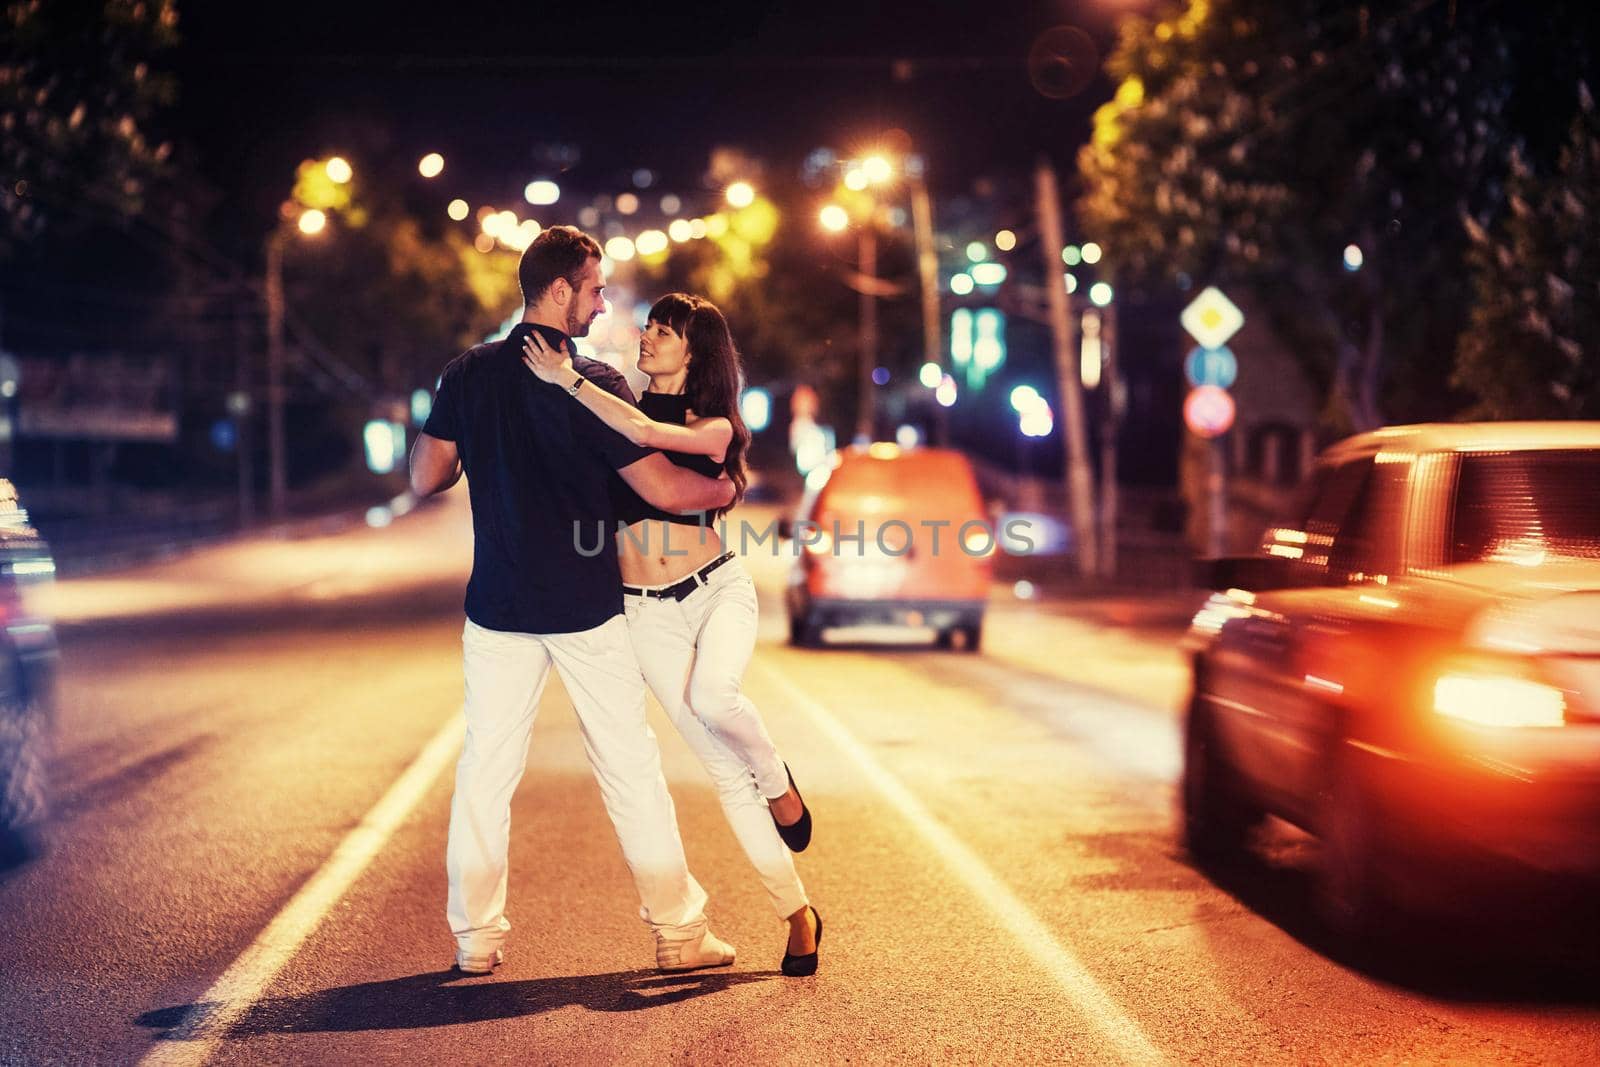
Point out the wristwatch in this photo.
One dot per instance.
(572, 390)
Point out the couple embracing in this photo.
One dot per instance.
(550, 443)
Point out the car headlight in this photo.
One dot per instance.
(1498, 696)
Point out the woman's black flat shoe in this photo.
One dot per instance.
(797, 835)
(804, 966)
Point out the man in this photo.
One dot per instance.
(537, 467)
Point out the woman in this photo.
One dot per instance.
(690, 606)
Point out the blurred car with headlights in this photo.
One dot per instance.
(1409, 669)
(891, 535)
(27, 682)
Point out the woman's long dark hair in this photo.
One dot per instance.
(715, 374)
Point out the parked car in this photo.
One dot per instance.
(1409, 668)
(27, 682)
(892, 535)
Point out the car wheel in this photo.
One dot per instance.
(971, 637)
(803, 633)
(1217, 818)
(22, 781)
(1351, 897)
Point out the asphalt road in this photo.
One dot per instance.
(253, 785)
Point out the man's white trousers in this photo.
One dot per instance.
(505, 679)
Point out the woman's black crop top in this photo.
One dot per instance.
(630, 506)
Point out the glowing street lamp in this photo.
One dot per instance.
(458, 210)
(338, 170)
(312, 222)
(541, 193)
(651, 242)
(431, 165)
(834, 218)
(877, 170)
(741, 194)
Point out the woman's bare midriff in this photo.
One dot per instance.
(656, 552)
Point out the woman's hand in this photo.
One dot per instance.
(544, 361)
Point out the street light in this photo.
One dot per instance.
(431, 165)
(834, 218)
(541, 193)
(309, 222)
(741, 194)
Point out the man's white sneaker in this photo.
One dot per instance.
(688, 954)
(478, 963)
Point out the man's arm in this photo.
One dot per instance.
(674, 488)
(435, 465)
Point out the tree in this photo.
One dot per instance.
(392, 302)
(1251, 142)
(79, 99)
(1532, 347)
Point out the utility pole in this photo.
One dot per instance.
(239, 407)
(867, 339)
(1216, 498)
(277, 450)
(928, 270)
(1080, 484)
(1111, 419)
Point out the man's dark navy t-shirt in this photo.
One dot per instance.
(538, 466)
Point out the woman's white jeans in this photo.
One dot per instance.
(694, 652)
(506, 675)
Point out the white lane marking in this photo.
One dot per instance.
(247, 978)
(1114, 1024)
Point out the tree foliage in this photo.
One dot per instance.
(1250, 142)
(1532, 348)
(80, 99)
(393, 303)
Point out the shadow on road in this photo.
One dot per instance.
(448, 998)
(1507, 956)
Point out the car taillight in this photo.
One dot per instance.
(821, 545)
(978, 542)
(1494, 693)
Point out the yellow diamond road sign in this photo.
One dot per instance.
(1212, 318)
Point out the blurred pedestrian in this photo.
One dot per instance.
(537, 467)
(691, 609)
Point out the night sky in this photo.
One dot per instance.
(266, 85)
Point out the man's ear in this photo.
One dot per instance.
(561, 291)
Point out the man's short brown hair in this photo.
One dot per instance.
(559, 252)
